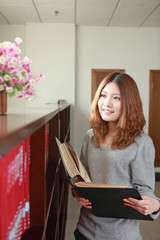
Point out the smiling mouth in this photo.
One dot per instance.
(107, 111)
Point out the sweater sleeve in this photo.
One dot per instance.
(142, 170)
(142, 167)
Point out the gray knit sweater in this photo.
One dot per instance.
(132, 166)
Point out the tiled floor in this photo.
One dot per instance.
(150, 229)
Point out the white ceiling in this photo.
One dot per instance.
(114, 13)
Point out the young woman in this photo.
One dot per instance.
(117, 151)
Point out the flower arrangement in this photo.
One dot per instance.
(15, 75)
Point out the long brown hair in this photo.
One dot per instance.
(131, 121)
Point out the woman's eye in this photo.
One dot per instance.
(116, 98)
(102, 95)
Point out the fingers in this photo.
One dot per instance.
(138, 205)
(141, 210)
(145, 206)
(85, 202)
(135, 202)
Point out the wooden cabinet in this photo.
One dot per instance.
(48, 187)
(57, 207)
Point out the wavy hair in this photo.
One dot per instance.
(131, 121)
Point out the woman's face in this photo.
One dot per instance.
(109, 103)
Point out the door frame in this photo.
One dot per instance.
(151, 85)
(150, 96)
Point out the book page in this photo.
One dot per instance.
(73, 153)
(69, 164)
(71, 161)
(80, 166)
(99, 185)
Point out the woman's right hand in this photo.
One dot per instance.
(84, 202)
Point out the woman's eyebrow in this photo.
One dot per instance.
(112, 93)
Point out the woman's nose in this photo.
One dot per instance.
(108, 102)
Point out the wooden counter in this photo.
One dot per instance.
(20, 123)
(48, 186)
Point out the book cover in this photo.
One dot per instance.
(108, 202)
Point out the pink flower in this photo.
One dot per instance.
(20, 95)
(1, 68)
(6, 67)
(29, 76)
(27, 92)
(5, 85)
(16, 45)
(15, 55)
(26, 82)
(20, 81)
(26, 67)
(15, 73)
(13, 80)
(11, 50)
(4, 51)
(1, 80)
(37, 79)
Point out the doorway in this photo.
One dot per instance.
(154, 112)
(98, 75)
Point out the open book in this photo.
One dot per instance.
(75, 169)
(106, 199)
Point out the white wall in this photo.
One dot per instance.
(135, 49)
(51, 48)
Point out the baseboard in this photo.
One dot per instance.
(157, 176)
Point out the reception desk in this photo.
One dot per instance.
(33, 185)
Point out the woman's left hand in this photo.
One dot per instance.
(145, 206)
